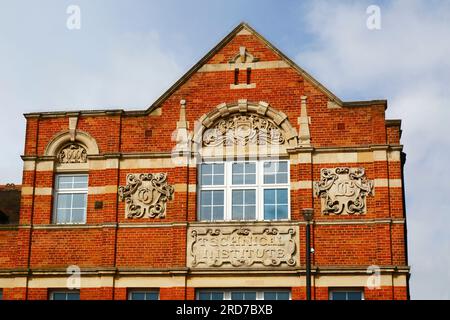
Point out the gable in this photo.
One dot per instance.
(245, 42)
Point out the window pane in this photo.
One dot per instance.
(63, 215)
(211, 205)
(218, 179)
(80, 181)
(206, 295)
(218, 168)
(250, 296)
(269, 196)
(282, 212)
(237, 213)
(270, 296)
(206, 180)
(65, 182)
(283, 166)
(250, 167)
(238, 179)
(137, 296)
(59, 296)
(216, 295)
(354, 295)
(250, 197)
(207, 168)
(238, 168)
(79, 200)
(238, 197)
(244, 173)
(269, 179)
(205, 213)
(282, 196)
(218, 213)
(338, 295)
(250, 179)
(250, 212)
(73, 296)
(212, 174)
(77, 216)
(218, 198)
(237, 296)
(282, 178)
(276, 172)
(276, 204)
(206, 198)
(276, 295)
(64, 201)
(282, 295)
(269, 212)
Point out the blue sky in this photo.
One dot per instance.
(127, 53)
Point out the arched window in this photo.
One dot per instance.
(244, 168)
(71, 178)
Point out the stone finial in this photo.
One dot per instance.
(303, 121)
(182, 136)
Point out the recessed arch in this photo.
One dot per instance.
(261, 108)
(63, 138)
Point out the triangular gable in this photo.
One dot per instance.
(242, 26)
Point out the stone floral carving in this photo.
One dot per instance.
(246, 247)
(243, 130)
(73, 153)
(146, 195)
(343, 190)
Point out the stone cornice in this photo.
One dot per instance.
(184, 271)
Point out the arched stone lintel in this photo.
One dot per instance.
(64, 137)
(262, 108)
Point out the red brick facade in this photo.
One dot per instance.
(116, 253)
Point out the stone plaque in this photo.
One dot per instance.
(343, 190)
(243, 246)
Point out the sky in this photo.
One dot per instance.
(127, 53)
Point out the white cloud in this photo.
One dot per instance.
(407, 62)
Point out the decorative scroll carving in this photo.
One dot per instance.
(146, 195)
(243, 130)
(252, 246)
(343, 190)
(73, 153)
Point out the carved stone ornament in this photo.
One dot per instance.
(246, 247)
(243, 130)
(146, 195)
(343, 190)
(73, 153)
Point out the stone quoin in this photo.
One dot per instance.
(200, 195)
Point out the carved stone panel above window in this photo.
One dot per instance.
(243, 129)
(146, 195)
(343, 190)
(73, 153)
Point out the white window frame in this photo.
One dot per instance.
(259, 186)
(227, 292)
(53, 292)
(143, 290)
(330, 293)
(58, 191)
